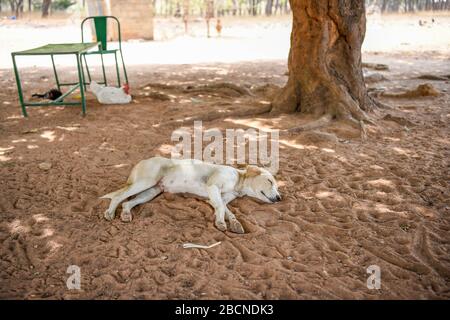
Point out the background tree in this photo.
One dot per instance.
(209, 14)
(273, 7)
(16, 7)
(236, 7)
(46, 8)
(269, 6)
(409, 5)
(186, 8)
(325, 72)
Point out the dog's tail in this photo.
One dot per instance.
(114, 193)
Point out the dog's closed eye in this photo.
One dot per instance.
(271, 183)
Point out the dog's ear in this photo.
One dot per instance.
(241, 165)
(252, 171)
(273, 170)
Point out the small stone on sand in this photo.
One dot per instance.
(45, 166)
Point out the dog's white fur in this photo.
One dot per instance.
(220, 184)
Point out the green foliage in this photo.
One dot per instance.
(62, 4)
(57, 5)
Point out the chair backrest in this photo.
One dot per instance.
(101, 29)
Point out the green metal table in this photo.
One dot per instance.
(77, 49)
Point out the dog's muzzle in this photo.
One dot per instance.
(274, 199)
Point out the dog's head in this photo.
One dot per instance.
(260, 183)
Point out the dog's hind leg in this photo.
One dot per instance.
(132, 189)
(142, 197)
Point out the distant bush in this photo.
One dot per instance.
(62, 4)
(57, 5)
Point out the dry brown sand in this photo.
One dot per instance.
(347, 203)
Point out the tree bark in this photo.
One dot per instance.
(325, 72)
(45, 8)
(234, 7)
(269, 5)
(17, 7)
(186, 8)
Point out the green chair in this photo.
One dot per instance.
(101, 32)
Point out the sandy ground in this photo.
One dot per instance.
(348, 203)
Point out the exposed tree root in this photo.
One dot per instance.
(363, 131)
(285, 100)
(357, 124)
(161, 86)
(399, 120)
(223, 88)
(422, 90)
(433, 77)
(375, 66)
(157, 96)
(355, 117)
(374, 77)
(316, 124)
(214, 87)
(378, 103)
(268, 90)
(318, 137)
(211, 116)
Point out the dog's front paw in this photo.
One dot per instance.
(236, 226)
(108, 215)
(126, 216)
(221, 225)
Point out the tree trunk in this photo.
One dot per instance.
(209, 14)
(18, 8)
(45, 8)
(286, 6)
(234, 7)
(269, 5)
(186, 8)
(277, 4)
(325, 73)
(384, 6)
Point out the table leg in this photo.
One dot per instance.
(81, 81)
(103, 69)
(56, 74)
(117, 69)
(87, 69)
(19, 87)
(123, 64)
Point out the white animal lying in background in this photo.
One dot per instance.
(221, 184)
(111, 95)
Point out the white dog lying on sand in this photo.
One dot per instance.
(220, 184)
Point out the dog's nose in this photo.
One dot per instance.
(278, 198)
